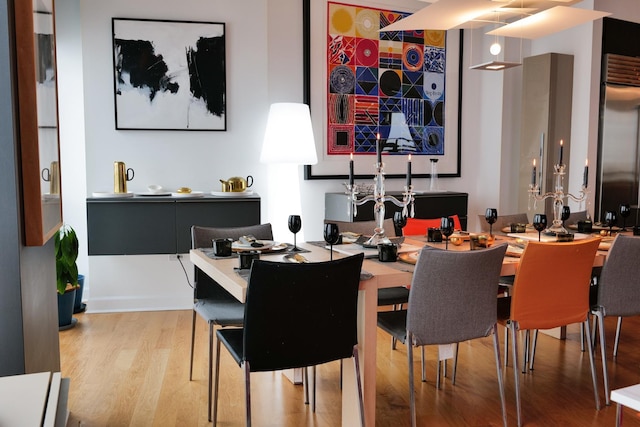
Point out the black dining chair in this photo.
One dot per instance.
(452, 299)
(211, 301)
(296, 316)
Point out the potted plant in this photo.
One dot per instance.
(66, 250)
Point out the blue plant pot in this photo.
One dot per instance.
(78, 306)
(65, 310)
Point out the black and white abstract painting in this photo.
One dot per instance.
(169, 75)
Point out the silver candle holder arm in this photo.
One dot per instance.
(558, 196)
(379, 198)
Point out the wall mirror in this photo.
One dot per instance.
(38, 120)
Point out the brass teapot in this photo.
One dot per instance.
(236, 184)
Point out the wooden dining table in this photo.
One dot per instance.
(382, 275)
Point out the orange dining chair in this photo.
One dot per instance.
(551, 289)
(419, 226)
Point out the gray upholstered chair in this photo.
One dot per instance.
(503, 221)
(446, 307)
(388, 296)
(212, 302)
(395, 296)
(618, 292)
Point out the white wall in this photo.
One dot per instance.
(264, 53)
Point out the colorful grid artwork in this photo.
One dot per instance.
(390, 84)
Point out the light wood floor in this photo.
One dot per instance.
(132, 369)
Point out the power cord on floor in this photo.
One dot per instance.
(186, 275)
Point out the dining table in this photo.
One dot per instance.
(376, 275)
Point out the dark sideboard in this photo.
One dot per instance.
(427, 205)
(161, 225)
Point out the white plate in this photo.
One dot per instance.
(192, 194)
(232, 193)
(99, 194)
(269, 246)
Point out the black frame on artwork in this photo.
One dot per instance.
(191, 98)
(309, 173)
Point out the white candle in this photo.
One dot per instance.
(409, 171)
(378, 149)
(533, 174)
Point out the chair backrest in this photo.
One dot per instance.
(574, 217)
(204, 286)
(453, 294)
(419, 226)
(201, 236)
(619, 283)
(502, 222)
(364, 227)
(300, 315)
(551, 287)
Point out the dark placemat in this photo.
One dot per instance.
(209, 253)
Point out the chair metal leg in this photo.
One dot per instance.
(340, 374)
(193, 336)
(313, 395)
(514, 345)
(215, 390)
(305, 381)
(593, 331)
(356, 363)
(412, 395)
(585, 325)
(455, 365)
(422, 365)
(603, 355)
(615, 343)
(525, 352)
(582, 339)
(533, 349)
(247, 391)
(439, 364)
(506, 346)
(211, 338)
(496, 349)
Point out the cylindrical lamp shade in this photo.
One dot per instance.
(289, 135)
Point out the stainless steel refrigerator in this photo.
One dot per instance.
(619, 144)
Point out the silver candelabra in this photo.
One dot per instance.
(558, 196)
(379, 198)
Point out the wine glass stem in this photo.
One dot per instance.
(446, 244)
(331, 252)
(539, 234)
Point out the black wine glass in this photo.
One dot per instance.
(564, 215)
(539, 223)
(295, 224)
(625, 211)
(610, 218)
(491, 216)
(399, 220)
(331, 236)
(446, 228)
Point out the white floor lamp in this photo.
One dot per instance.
(288, 143)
